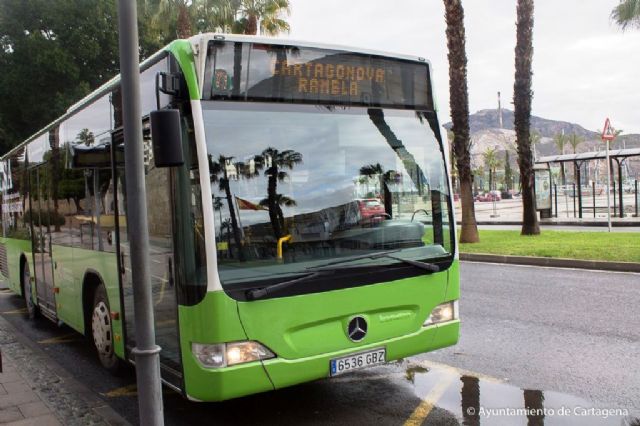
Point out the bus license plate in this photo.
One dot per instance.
(356, 361)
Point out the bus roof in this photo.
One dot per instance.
(199, 42)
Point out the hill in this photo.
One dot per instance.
(486, 133)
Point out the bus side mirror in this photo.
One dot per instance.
(166, 138)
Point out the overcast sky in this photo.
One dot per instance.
(585, 68)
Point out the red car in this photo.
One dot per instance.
(370, 208)
(489, 196)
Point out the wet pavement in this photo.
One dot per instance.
(421, 390)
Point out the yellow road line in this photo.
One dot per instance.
(129, 390)
(428, 402)
(66, 338)
(15, 311)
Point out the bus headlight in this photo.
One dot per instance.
(444, 312)
(228, 354)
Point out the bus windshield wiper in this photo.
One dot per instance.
(388, 254)
(260, 293)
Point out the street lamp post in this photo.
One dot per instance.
(146, 351)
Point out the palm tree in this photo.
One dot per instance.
(559, 139)
(452, 159)
(574, 141)
(508, 173)
(384, 177)
(522, 114)
(534, 139)
(280, 200)
(373, 170)
(268, 12)
(627, 14)
(219, 173)
(217, 206)
(178, 15)
(490, 157)
(459, 102)
(274, 161)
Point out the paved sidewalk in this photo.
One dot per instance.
(35, 390)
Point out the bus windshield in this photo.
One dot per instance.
(296, 186)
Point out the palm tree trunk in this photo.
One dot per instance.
(252, 25)
(237, 239)
(459, 101)
(271, 198)
(522, 106)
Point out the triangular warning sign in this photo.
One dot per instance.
(608, 133)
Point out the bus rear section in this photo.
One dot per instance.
(333, 224)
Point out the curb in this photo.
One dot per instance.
(552, 262)
(558, 223)
(61, 385)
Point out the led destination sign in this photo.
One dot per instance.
(330, 79)
(255, 72)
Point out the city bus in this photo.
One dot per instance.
(267, 269)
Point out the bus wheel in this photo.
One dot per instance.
(102, 332)
(26, 291)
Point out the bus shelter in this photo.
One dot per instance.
(617, 156)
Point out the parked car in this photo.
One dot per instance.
(488, 196)
(371, 208)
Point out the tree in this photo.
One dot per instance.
(459, 104)
(384, 177)
(534, 140)
(575, 140)
(452, 160)
(490, 157)
(560, 140)
(273, 162)
(51, 55)
(627, 14)
(267, 12)
(522, 114)
(220, 173)
(508, 173)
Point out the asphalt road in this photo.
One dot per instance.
(541, 337)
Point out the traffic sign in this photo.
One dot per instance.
(608, 133)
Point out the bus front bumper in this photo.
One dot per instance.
(204, 384)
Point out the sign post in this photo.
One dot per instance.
(608, 134)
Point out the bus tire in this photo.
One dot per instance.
(102, 332)
(27, 292)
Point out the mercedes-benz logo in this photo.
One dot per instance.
(357, 329)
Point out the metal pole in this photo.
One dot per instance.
(615, 201)
(579, 191)
(621, 202)
(555, 193)
(593, 185)
(636, 197)
(608, 189)
(146, 351)
(574, 200)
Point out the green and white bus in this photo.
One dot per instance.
(309, 232)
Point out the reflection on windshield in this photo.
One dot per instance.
(295, 185)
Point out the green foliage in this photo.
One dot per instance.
(627, 14)
(52, 54)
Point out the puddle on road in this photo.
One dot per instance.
(486, 401)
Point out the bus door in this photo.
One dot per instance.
(40, 213)
(162, 266)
